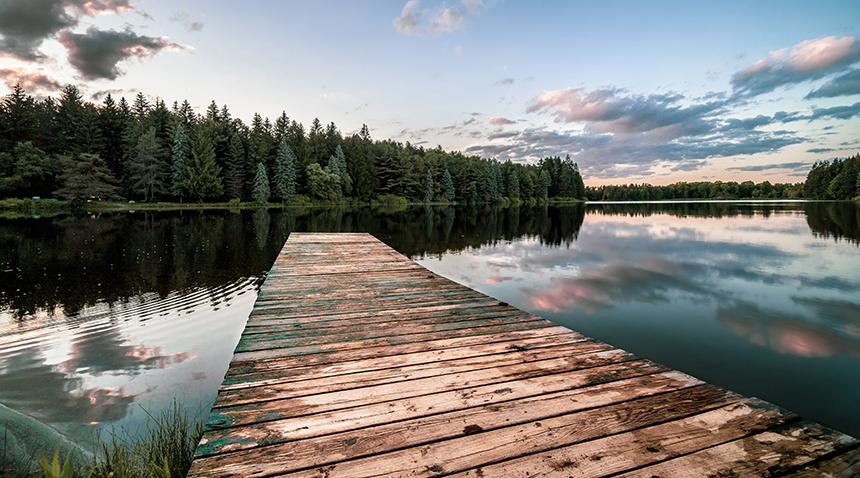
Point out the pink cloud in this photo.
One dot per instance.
(499, 121)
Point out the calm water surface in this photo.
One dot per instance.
(104, 319)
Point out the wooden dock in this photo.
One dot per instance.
(356, 361)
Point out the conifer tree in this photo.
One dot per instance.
(86, 176)
(429, 187)
(235, 176)
(204, 175)
(448, 185)
(178, 161)
(284, 175)
(513, 183)
(261, 185)
(544, 184)
(147, 172)
(337, 165)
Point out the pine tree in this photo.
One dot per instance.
(178, 162)
(261, 185)
(235, 167)
(512, 188)
(86, 176)
(204, 174)
(429, 187)
(448, 185)
(284, 175)
(337, 165)
(543, 189)
(148, 173)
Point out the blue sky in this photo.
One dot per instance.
(634, 91)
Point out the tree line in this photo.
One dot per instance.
(70, 148)
(696, 190)
(835, 179)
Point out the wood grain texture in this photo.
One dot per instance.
(356, 361)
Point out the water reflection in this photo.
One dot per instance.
(100, 316)
(738, 294)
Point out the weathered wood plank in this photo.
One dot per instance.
(273, 390)
(638, 448)
(277, 408)
(843, 465)
(487, 397)
(291, 370)
(460, 454)
(423, 341)
(490, 410)
(763, 454)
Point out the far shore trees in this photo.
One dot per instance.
(155, 151)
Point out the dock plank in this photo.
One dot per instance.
(357, 361)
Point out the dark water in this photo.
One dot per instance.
(104, 319)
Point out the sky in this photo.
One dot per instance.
(657, 91)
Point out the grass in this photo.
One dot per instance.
(163, 450)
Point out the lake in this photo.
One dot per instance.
(107, 318)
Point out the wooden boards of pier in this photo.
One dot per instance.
(356, 361)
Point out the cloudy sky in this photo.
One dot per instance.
(633, 91)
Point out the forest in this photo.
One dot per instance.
(696, 190)
(69, 148)
(837, 179)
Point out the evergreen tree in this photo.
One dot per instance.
(111, 122)
(337, 165)
(204, 175)
(178, 161)
(543, 190)
(236, 162)
(448, 184)
(429, 187)
(261, 185)
(284, 177)
(26, 171)
(147, 172)
(512, 183)
(86, 176)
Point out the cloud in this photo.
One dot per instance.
(25, 24)
(408, 21)
(96, 53)
(615, 110)
(505, 81)
(805, 61)
(844, 85)
(101, 94)
(30, 80)
(413, 20)
(499, 121)
(447, 21)
(820, 150)
(766, 167)
(835, 112)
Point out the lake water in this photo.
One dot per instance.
(105, 319)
